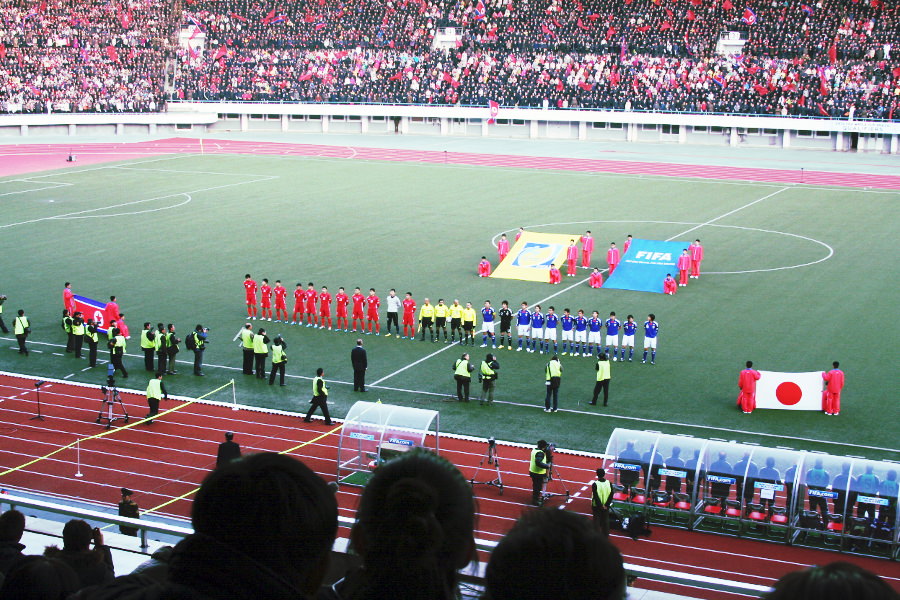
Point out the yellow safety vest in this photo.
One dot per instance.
(67, 324)
(278, 354)
(259, 344)
(93, 335)
(602, 370)
(554, 369)
(21, 325)
(486, 369)
(146, 342)
(247, 338)
(533, 467)
(154, 389)
(604, 489)
(77, 329)
(315, 384)
(120, 342)
(462, 368)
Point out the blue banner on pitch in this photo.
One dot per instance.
(645, 265)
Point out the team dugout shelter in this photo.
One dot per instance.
(374, 433)
(844, 503)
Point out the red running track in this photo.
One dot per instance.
(20, 159)
(170, 457)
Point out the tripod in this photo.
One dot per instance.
(37, 391)
(108, 401)
(552, 474)
(492, 458)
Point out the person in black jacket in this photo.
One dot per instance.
(229, 450)
(92, 565)
(360, 364)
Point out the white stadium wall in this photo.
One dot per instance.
(719, 130)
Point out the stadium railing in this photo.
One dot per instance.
(475, 577)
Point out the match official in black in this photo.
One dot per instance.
(229, 450)
(360, 363)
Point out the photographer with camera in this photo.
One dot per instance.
(539, 468)
(117, 346)
(92, 335)
(172, 342)
(553, 375)
(488, 377)
(197, 341)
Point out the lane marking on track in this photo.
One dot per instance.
(540, 406)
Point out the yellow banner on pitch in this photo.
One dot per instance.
(531, 256)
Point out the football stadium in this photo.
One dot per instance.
(322, 299)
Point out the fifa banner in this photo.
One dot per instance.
(789, 391)
(531, 256)
(645, 265)
(92, 309)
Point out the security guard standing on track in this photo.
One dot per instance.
(537, 470)
(320, 397)
(148, 346)
(156, 390)
(601, 500)
(260, 352)
(77, 334)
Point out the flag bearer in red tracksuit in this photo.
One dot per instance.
(747, 384)
(571, 258)
(696, 259)
(684, 265)
(502, 247)
(587, 248)
(612, 257)
(831, 396)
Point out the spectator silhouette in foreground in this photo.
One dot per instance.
(92, 565)
(414, 531)
(263, 530)
(12, 526)
(834, 581)
(39, 578)
(552, 553)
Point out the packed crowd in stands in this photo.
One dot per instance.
(832, 58)
(72, 56)
(264, 527)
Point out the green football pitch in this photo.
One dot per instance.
(795, 277)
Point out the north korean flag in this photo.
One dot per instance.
(92, 309)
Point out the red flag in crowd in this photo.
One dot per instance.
(494, 108)
(395, 77)
(643, 28)
(690, 16)
(610, 32)
(309, 74)
(832, 53)
(665, 25)
(823, 82)
(269, 17)
(896, 72)
(222, 51)
(761, 89)
(585, 86)
(234, 15)
(2, 51)
(657, 2)
(669, 12)
(459, 42)
(581, 24)
(112, 54)
(822, 109)
(696, 2)
(727, 5)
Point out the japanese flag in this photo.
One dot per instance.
(789, 391)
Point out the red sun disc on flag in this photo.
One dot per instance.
(788, 393)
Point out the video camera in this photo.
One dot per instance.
(110, 385)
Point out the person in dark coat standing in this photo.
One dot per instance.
(229, 450)
(360, 363)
